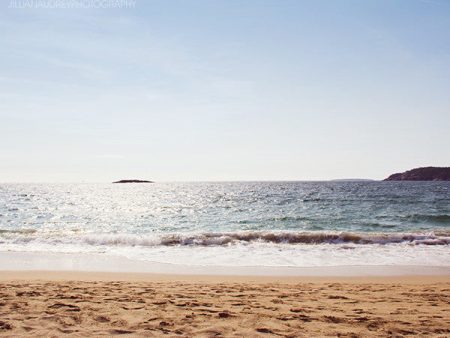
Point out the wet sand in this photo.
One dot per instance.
(81, 304)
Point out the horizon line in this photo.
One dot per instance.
(197, 181)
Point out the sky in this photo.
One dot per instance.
(223, 90)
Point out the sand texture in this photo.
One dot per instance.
(190, 308)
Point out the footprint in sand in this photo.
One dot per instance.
(102, 319)
(4, 326)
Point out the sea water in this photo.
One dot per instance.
(298, 224)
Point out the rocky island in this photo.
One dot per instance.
(422, 174)
(133, 181)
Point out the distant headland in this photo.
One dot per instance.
(133, 181)
(422, 174)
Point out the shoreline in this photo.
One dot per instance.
(15, 262)
(95, 276)
(351, 301)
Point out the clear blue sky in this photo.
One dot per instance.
(224, 90)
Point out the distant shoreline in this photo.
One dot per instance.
(133, 181)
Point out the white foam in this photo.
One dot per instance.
(259, 254)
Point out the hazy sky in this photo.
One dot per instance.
(224, 90)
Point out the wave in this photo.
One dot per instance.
(17, 231)
(214, 239)
(416, 218)
(235, 238)
(444, 218)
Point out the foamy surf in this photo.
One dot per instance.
(226, 238)
(289, 249)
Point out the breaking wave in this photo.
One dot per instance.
(219, 239)
(234, 238)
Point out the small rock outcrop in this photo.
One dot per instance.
(133, 181)
(422, 174)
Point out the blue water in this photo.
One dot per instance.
(270, 221)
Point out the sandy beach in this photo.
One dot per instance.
(81, 304)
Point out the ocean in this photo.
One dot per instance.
(286, 224)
